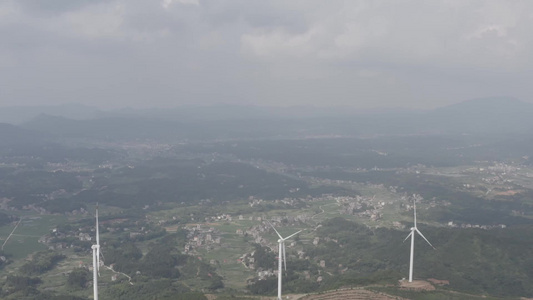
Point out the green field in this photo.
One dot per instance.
(24, 240)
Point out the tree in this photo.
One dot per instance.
(78, 278)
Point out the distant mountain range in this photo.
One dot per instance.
(11, 134)
(17, 141)
(20, 114)
(484, 115)
(487, 116)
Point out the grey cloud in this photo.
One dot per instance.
(412, 32)
(54, 6)
(361, 53)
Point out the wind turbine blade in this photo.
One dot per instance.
(424, 238)
(292, 235)
(97, 229)
(275, 230)
(98, 259)
(408, 236)
(414, 206)
(97, 240)
(284, 257)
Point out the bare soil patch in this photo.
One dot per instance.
(508, 193)
(173, 228)
(416, 285)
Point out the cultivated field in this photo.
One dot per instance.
(351, 294)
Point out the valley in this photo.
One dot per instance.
(192, 217)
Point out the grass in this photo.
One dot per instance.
(24, 240)
(233, 247)
(233, 271)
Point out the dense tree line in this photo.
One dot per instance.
(497, 262)
(41, 262)
(6, 218)
(25, 288)
(264, 258)
(190, 181)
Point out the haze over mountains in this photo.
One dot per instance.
(487, 116)
(479, 129)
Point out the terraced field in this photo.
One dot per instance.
(352, 294)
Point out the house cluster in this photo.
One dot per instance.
(221, 217)
(503, 168)
(254, 201)
(201, 237)
(361, 206)
(69, 166)
(63, 238)
(255, 232)
(496, 179)
(264, 274)
(57, 239)
(406, 202)
(248, 260)
(498, 173)
(290, 202)
(317, 240)
(325, 181)
(468, 225)
(33, 207)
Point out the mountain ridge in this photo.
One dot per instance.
(486, 116)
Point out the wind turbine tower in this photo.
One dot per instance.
(282, 259)
(96, 258)
(95, 271)
(414, 230)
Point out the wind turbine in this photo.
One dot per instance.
(412, 235)
(281, 255)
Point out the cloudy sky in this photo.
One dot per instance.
(367, 54)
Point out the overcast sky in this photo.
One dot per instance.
(368, 54)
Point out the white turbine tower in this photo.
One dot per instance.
(281, 256)
(412, 235)
(95, 271)
(96, 258)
